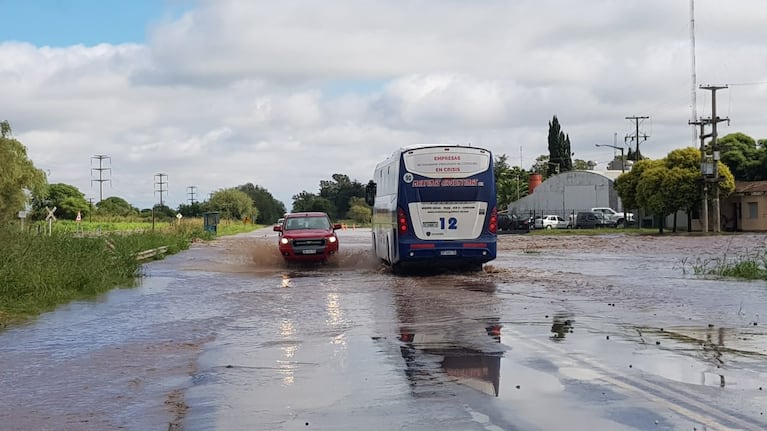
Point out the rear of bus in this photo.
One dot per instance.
(446, 206)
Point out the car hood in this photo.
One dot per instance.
(307, 233)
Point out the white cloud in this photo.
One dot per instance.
(285, 94)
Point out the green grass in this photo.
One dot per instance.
(750, 265)
(40, 271)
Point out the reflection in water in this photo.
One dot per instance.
(449, 331)
(710, 342)
(561, 325)
(286, 366)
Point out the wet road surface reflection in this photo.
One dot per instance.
(577, 333)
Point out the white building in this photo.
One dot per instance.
(569, 192)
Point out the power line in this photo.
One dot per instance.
(191, 191)
(160, 185)
(636, 136)
(101, 169)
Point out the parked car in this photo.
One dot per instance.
(551, 222)
(586, 220)
(534, 222)
(512, 222)
(505, 222)
(614, 216)
(307, 237)
(520, 223)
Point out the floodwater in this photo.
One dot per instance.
(608, 332)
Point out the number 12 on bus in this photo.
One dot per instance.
(434, 205)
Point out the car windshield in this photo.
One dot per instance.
(295, 223)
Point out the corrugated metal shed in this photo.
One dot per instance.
(570, 192)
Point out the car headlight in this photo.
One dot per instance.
(332, 239)
(284, 241)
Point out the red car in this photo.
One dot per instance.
(307, 237)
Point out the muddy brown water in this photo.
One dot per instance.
(605, 332)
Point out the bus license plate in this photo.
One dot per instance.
(448, 252)
(309, 251)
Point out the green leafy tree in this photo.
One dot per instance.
(626, 184)
(359, 211)
(269, 208)
(340, 191)
(194, 209)
(20, 180)
(656, 190)
(306, 201)
(746, 160)
(233, 203)
(541, 165)
(510, 182)
(67, 199)
(560, 154)
(116, 206)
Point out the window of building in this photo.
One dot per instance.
(753, 210)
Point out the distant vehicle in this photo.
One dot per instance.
(534, 222)
(551, 222)
(434, 205)
(586, 220)
(520, 223)
(307, 237)
(505, 222)
(612, 215)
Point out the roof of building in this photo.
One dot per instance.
(744, 187)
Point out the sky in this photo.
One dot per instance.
(283, 94)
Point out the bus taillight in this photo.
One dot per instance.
(492, 226)
(401, 221)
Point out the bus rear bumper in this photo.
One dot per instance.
(475, 252)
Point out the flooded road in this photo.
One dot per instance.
(560, 332)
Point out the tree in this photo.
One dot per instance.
(582, 165)
(541, 165)
(745, 159)
(232, 203)
(510, 182)
(195, 209)
(688, 194)
(626, 184)
(559, 149)
(340, 191)
(306, 201)
(359, 211)
(20, 180)
(665, 186)
(67, 199)
(116, 206)
(656, 191)
(269, 208)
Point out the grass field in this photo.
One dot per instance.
(40, 270)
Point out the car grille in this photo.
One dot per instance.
(309, 242)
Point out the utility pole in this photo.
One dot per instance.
(191, 191)
(704, 176)
(160, 185)
(101, 169)
(636, 135)
(714, 120)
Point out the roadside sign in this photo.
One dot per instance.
(22, 214)
(79, 217)
(178, 216)
(50, 215)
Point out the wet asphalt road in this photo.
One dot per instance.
(576, 333)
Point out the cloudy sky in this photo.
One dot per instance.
(283, 94)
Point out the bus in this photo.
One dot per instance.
(434, 205)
